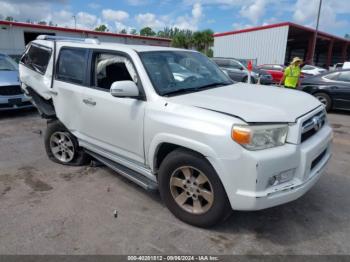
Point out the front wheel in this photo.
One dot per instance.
(62, 147)
(191, 189)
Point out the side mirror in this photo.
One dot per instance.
(125, 88)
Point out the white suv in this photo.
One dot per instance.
(170, 119)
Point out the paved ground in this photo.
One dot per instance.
(46, 208)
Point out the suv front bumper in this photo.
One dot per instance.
(247, 178)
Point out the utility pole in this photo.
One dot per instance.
(75, 21)
(316, 32)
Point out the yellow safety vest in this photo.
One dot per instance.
(292, 74)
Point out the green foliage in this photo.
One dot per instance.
(199, 40)
(347, 36)
(9, 18)
(147, 31)
(133, 31)
(123, 31)
(42, 23)
(101, 28)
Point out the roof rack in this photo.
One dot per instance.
(70, 39)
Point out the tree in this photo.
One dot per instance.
(133, 31)
(147, 31)
(42, 23)
(347, 36)
(208, 39)
(123, 31)
(9, 18)
(101, 28)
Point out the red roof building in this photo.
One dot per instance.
(279, 43)
(15, 35)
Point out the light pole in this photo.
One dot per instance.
(75, 21)
(316, 32)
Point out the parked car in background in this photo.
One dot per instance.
(237, 71)
(276, 71)
(331, 88)
(340, 66)
(11, 94)
(312, 70)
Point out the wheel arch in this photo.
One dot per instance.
(162, 145)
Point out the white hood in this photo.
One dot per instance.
(252, 103)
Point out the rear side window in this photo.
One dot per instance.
(71, 65)
(344, 76)
(37, 58)
(331, 76)
(277, 68)
(222, 63)
(266, 67)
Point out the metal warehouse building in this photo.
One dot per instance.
(279, 43)
(14, 36)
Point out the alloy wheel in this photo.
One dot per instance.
(62, 146)
(323, 100)
(191, 190)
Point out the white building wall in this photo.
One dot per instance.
(12, 38)
(268, 46)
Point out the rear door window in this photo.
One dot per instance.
(332, 76)
(71, 65)
(344, 76)
(37, 58)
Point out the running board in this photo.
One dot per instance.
(132, 175)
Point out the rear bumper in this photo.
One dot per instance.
(21, 101)
(247, 180)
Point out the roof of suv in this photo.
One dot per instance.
(110, 46)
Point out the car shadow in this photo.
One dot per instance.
(319, 213)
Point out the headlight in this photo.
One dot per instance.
(257, 137)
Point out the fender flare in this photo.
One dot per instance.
(162, 138)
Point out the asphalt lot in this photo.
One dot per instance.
(46, 208)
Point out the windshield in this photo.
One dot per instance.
(7, 64)
(182, 71)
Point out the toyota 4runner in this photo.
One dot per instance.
(170, 119)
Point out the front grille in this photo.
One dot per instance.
(10, 90)
(318, 159)
(312, 125)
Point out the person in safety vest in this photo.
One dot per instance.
(291, 75)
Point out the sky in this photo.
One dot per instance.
(218, 15)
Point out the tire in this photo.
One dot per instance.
(201, 209)
(324, 99)
(62, 147)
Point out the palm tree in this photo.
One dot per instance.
(208, 39)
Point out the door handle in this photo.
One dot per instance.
(89, 102)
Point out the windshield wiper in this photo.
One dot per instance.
(196, 89)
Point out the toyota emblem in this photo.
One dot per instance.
(317, 123)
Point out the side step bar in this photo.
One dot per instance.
(132, 175)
